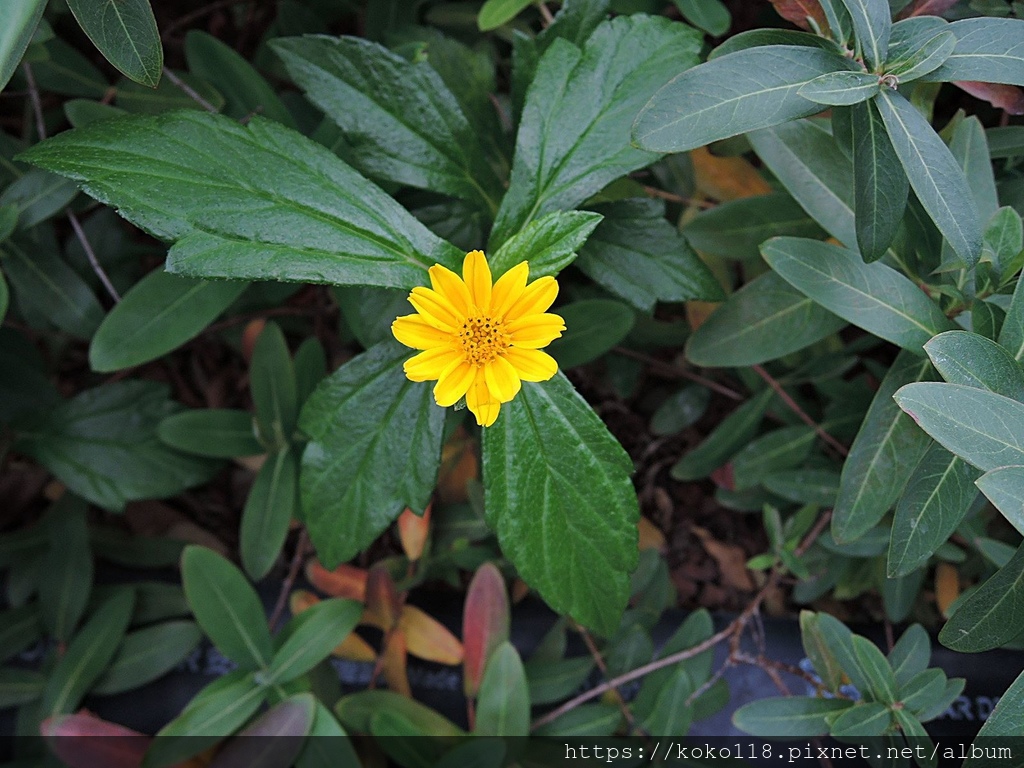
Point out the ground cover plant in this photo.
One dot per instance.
(618, 305)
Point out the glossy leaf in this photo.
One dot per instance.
(549, 244)
(579, 482)
(219, 433)
(881, 186)
(593, 327)
(147, 654)
(988, 50)
(269, 509)
(991, 615)
(22, 17)
(310, 637)
(503, 706)
(296, 211)
(840, 89)
(375, 446)
(1004, 487)
(974, 361)
(126, 34)
(787, 716)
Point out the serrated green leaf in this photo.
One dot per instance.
(732, 94)
(218, 433)
(1004, 487)
(787, 716)
(503, 703)
(872, 25)
(310, 637)
(22, 18)
(593, 327)
(992, 614)
(987, 50)
(226, 607)
(764, 320)
(160, 313)
(881, 186)
(840, 89)
(571, 147)
(549, 244)
(269, 509)
(578, 490)
(375, 446)
(147, 654)
(296, 211)
(974, 361)
(126, 34)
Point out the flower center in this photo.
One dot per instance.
(483, 338)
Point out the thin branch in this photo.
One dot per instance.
(674, 198)
(599, 660)
(545, 14)
(188, 18)
(795, 407)
(90, 254)
(293, 573)
(37, 105)
(189, 91)
(677, 372)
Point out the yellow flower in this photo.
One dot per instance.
(480, 339)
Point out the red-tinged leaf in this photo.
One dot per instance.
(383, 605)
(428, 638)
(927, 8)
(394, 664)
(286, 725)
(70, 738)
(301, 600)
(1006, 97)
(798, 11)
(344, 581)
(459, 465)
(651, 536)
(413, 530)
(723, 477)
(354, 648)
(485, 624)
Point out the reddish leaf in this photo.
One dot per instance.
(726, 178)
(344, 581)
(70, 739)
(798, 11)
(413, 530)
(383, 604)
(485, 623)
(1006, 97)
(394, 664)
(300, 600)
(354, 648)
(428, 638)
(723, 477)
(286, 724)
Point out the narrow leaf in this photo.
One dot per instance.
(989, 50)
(991, 615)
(147, 654)
(1004, 487)
(126, 34)
(840, 88)
(485, 624)
(269, 509)
(21, 17)
(219, 433)
(974, 361)
(787, 716)
(503, 706)
(872, 25)
(881, 186)
(310, 637)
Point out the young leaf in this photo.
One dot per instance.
(147, 654)
(840, 89)
(988, 50)
(578, 482)
(549, 244)
(226, 607)
(992, 614)
(594, 326)
(296, 211)
(126, 34)
(974, 361)
(569, 148)
(503, 706)
(881, 186)
(219, 433)
(22, 17)
(485, 624)
(375, 446)
(310, 637)
(270, 507)
(872, 25)
(160, 313)
(934, 174)
(787, 716)
(1004, 487)
(732, 94)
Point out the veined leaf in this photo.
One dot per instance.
(246, 202)
(757, 38)
(1003, 721)
(788, 716)
(988, 50)
(219, 433)
(126, 34)
(310, 637)
(974, 361)
(579, 494)
(927, 58)
(1004, 487)
(147, 654)
(872, 25)
(572, 146)
(549, 244)
(908, 36)
(1011, 335)
(840, 88)
(880, 185)
(21, 19)
(269, 509)
(732, 94)
(992, 614)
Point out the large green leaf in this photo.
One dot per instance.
(992, 615)
(966, 358)
(883, 456)
(764, 320)
(269, 509)
(938, 496)
(736, 93)
(880, 185)
(990, 50)
(103, 445)
(126, 34)
(638, 255)
(559, 496)
(160, 313)
(787, 716)
(872, 25)
(1004, 487)
(246, 202)
(934, 174)
(571, 146)
(399, 118)
(375, 445)
(20, 20)
(310, 637)
(147, 654)
(981, 427)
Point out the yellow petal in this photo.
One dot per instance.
(478, 278)
(435, 308)
(509, 288)
(453, 382)
(536, 331)
(538, 296)
(532, 364)
(450, 285)
(480, 402)
(429, 365)
(502, 379)
(415, 332)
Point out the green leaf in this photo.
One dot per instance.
(771, 452)
(868, 719)
(554, 473)
(991, 615)
(1004, 237)
(21, 19)
(731, 434)
(4, 297)
(840, 89)
(923, 690)
(1004, 720)
(926, 59)
(593, 327)
(732, 94)
(357, 709)
(787, 716)
(710, 15)
(881, 186)
(873, 296)
(273, 387)
(81, 112)
(585, 720)
(1011, 336)
(981, 427)
(877, 670)
(69, 73)
(167, 96)
(819, 652)
(805, 486)
(671, 712)
(310, 367)
(245, 91)
(400, 119)
(989, 50)
(680, 410)
(20, 686)
(554, 680)
(375, 446)
(570, 147)
(735, 229)
(19, 628)
(764, 320)
(503, 704)
(269, 509)
(1004, 487)
(549, 244)
(908, 36)
(494, 13)
(321, 752)
(103, 445)
(974, 361)
(87, 655)
(872, 25)
(213, 432)
(756, 38)
(258, 202)
(934, 174)
(911, 654)
(159, 314)
(147, 654)
(126, 34)
(938, 497)
(37, 196)
(67, 573)
(226, 607)
(883, 456)
(310, 637)
(638, 255)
